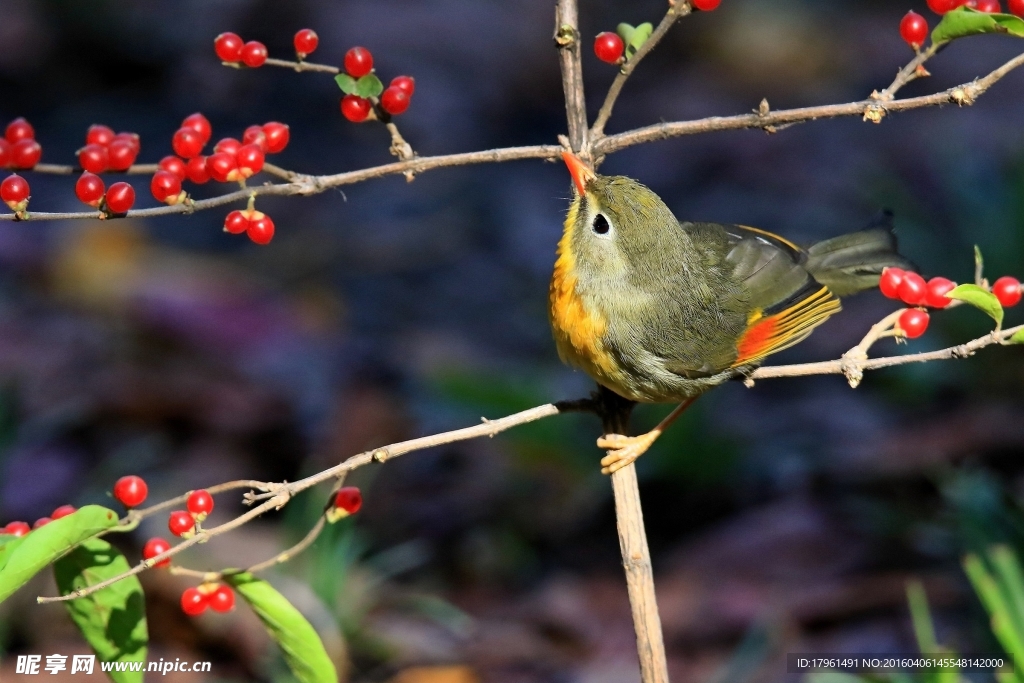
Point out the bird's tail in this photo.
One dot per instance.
(853, 263)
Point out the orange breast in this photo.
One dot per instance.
(579, 332)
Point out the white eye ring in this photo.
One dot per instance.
(601, 226)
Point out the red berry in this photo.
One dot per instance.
(89, 189)
(42, 521)
(99, 134)
(394, 100)
(608, 47)
(195, 170)
(180, 522)
(236, 223)
(890, 281)
(942, 6)
(913, 322)
(228, 146)
(200, 503)
(26, 154)
(990, 6)
(254, 135)
(19, 129)
(62, 511)
(938, 287)
(254, 54)
(187, 143)
(94, 158)
(912, 289)
(13, 191)
(5, 153)
(199, 124)
(306, 41)
(228, 47)
(406, 84)
(914, 29)
(166, 187)
(358, 62)
(355, 108)
(121, 155)
(278, 135)
(193, 602)
(349, 499)
(1007, 290)
(1016, 7)
(130, 490)
(705, 5)
(222, 167)
(173, 165)
(119, 198)
(261, 230)
(17, 528)
(222, 599)
(250, 159)
(131, 138)
(156, 546)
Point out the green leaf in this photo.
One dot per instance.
(979, 297)
(369, 86)
(346, 83)
(303, 650)
(112, 620)
(42, 546)
(625, 32)
(1017, 338)
(965, 21)
(640, 36)
(8, 544)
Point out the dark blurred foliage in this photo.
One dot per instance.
(782, 518)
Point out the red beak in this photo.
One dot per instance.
(581, 173)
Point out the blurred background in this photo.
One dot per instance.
(783, 518)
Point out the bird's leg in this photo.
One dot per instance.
(622, 450)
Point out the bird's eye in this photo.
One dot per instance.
(601, 226)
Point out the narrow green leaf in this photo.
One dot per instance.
(1011, 583)
(1017, 338)
(625, 32)
(369, 86)
(979, 264)
(42, 546)
(303, 650)
(640, 35)
(346, 83)
(112, 620)
(988, 592)
(965, 21)
(921, 617)
(979, 298)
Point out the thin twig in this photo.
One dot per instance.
(64, 169)
(294, 550)
(302, 66)
(911, 72)
(674, 12)
(567, 40)
(962, 95)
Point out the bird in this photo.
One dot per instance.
(658, 310)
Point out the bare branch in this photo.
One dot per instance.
(300, 66)
(567, 40)
(871, 109)
(674, 12)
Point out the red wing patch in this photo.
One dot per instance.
(768, 335)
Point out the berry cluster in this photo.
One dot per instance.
(913, 290)
(362, 88)
(106, 151)
(234, 51)
(215, 596)
(256, 224)
(22, 528)
(184, 523)
(18, 147)
(990, 6)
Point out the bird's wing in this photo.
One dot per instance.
(786, 303)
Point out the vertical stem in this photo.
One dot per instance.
(567, 39)
(636, 558)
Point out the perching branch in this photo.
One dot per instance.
(567, 40)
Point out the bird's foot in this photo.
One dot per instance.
(623, 450)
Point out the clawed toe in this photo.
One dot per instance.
(622, 450)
